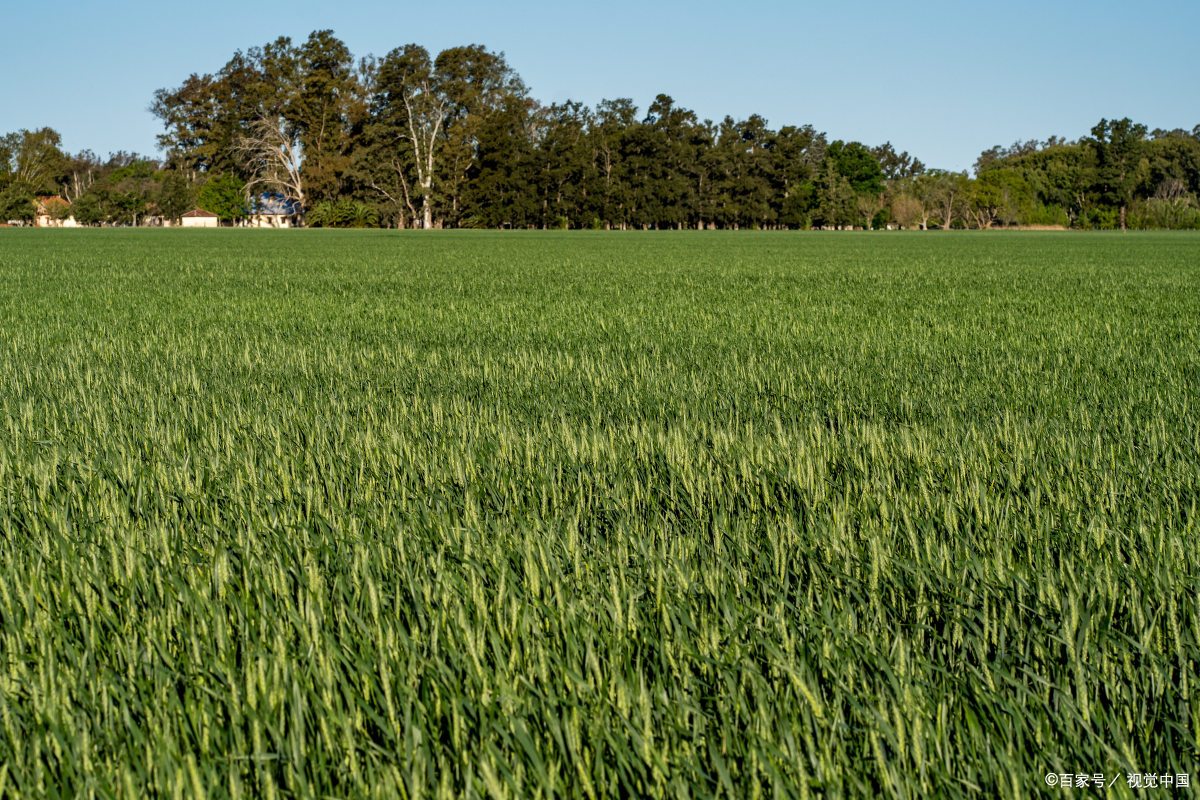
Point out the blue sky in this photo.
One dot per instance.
(942, 79)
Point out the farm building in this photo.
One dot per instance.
(272, 210)
(199, 218)
(53, 212)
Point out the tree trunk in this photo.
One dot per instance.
(1122, 217)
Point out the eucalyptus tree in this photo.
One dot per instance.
(896, 166)
(408, 110)
(431, 111)
(189, 114)
(278, 117)
(35, 159)
(207, 118)
(298, 140)
(944, 194)
(271, 151)
(477, 83)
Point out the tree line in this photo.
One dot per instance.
(456, 140)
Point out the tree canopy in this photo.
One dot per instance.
(454, 139)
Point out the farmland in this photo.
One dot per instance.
(519, 515)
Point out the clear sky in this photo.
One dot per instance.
(943, 79)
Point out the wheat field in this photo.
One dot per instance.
(522, 515)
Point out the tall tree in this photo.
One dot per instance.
(37, 160)
(564, 163)
(945, 193)
(745, 155)
(662, 155)
(799, 153)
(837, 204)
(176, 195)
(326, 106)
(999, 195)
(611, 126)
(272, 153)
(410, 109)
(431, 112)
(476, 83)
(225, 196)
(501, 190)
(1119, 146)
(856, 163)
(896, 166)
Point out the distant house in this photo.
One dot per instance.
(199, 218)
(273, 210)
(53, 212)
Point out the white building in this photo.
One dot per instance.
(269, 221)
(53, 212)
(273, 210)
(199, 218)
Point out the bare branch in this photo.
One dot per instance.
(273, 156)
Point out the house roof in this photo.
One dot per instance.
(199, 212)
(271, 204)
(48, 201)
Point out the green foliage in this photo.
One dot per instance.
(176, 195)
(225, 196)
(1101, 218)
(858, 165)
(1039, 214)
(88, 209)
(8, 151)
(501, 190)
(362, 515)
(325, 108)
(1175, 215)
(836, 200)
(35, 159)
(16, 203)
(1000, 195)
(31, 163)
(1119, 149)
(342, 214)
(455, 140)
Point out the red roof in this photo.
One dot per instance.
(199, 212)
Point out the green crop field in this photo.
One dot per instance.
(322, 514)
